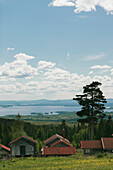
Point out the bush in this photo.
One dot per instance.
(100, 155)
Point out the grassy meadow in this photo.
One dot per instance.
(59, 163)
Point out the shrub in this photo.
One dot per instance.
(100, 155)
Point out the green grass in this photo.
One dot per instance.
(77, 162)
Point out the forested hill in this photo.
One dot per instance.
(45, 102)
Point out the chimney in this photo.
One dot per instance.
(64, 133)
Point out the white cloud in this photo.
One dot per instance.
(100, 67)
(85, 5)
(91, 72)
(10, 49)
(47, 80)
(23, 56)
(19, 68)
(45, 65)
(59, 3)
(94, 57)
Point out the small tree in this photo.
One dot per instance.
(92, 102)
(18, 116)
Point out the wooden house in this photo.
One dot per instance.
(5, 151)
(91, 147)
(97, 146)
(58, 145)
(23, 146)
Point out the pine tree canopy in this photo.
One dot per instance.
(92, 103)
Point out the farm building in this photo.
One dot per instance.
(5, 151)
(58, 145)
(97, 146)
(23, 146)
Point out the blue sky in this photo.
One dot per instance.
(51, 49)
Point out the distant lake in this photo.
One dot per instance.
(26, 110)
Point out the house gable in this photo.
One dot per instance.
(61, 143)
(53, 139)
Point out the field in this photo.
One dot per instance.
(40, 119)
(59, 163)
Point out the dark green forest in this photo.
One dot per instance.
(11, 129)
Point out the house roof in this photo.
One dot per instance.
(4, 147)
(91, 144)
(24, 137)
(54, 137)
(107, 143)
(58, 150)
(61, 141)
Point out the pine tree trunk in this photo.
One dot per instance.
(92, 118)
(89, 131)
(92, 131)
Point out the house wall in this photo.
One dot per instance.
(109, 150)
(4, 152)
(15, 148)
(92, 151)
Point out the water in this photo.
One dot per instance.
(27, 110)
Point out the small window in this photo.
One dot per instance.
(87, 150)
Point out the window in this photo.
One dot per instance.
(87, 150)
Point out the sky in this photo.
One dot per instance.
(50, 49)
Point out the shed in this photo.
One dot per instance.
(23, 146)
(5, 151)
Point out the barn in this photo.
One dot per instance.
(58, 146)
(23, 146)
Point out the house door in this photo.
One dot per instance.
(22, 151)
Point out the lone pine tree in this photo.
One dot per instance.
(92, 102)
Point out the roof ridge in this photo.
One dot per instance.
(23, 137)
(5, 147)
(53, 137)
(60, 140)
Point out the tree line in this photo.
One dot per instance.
(11, 129)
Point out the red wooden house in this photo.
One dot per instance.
(97, 146)
(58, 145)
